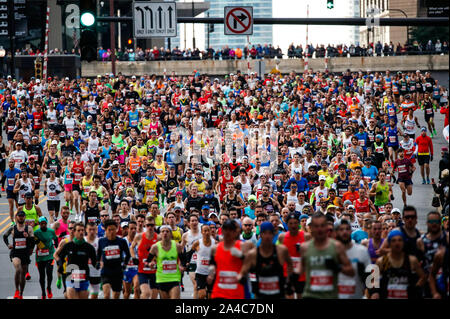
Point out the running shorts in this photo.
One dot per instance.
(423, 159)
(53, 205)
(11, 194)
(407, 182)
(129, 274)
(167, 286)
(149, 279)
(202, 283)
(114, 281)
(78, 286)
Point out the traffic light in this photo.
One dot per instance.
(38, 68)
(330, 4)
(211, 28)
(88, 30)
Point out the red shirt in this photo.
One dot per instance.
(424, 144)
(350, 196)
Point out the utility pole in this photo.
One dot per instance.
(112, 28)
(12, 37)
(193, 28)
(208, 26)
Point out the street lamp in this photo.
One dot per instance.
(407, 27)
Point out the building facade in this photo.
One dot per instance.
(262, 34)
(390, 9)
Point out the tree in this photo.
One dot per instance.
(423, 34)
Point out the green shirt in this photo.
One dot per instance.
(321, 282)
(45, 247)
(382, 199)
(167, 264)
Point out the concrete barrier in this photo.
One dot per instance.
(223, 67)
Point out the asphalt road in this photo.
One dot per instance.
(421, 199)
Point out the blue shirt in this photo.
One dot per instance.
(302, 184)
(249, 212)
(11, 177)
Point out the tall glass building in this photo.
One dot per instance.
(262, 34)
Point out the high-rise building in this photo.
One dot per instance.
(262, 34)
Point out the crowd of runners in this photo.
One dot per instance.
(249, 187)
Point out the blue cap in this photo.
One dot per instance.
(266, 226)
(394, 233)
(42, 219)
(304, 216)
(205, 207)
(359, 235)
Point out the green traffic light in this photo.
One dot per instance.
(330, 4)
(87, 19)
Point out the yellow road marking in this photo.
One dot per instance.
(5, 227)
(5, 220)
(40, 196)
(3, 214)
(44, 199)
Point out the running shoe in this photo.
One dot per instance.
(434, 131)
(423, 182)
(28, 276)
(17, 295)
(49, 293)
(3, 189)
(59, 283)
(428, 180)
(43, 297)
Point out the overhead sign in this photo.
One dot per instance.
(238, 20)
(154, 19)
(437, 8)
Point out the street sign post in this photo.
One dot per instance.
(238, 20)
(154, 19)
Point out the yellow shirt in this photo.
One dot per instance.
(322, 172)
(141, 151)
(150, 190)
(86, 185)
(160, 170)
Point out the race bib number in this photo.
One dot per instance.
(42, 252)
(361, 142)
(402, 168)
(52, 194)
(169, 266)
(392, 139)
(429, 111)
(397, 291)
(204, 261)
(112, 252)
(321, 280)
(77, 177)
(108, 126)
(78, 275)
(11, 182)
(21, 243)
(296, 263)
(134, 123)
(228, 280)
(92, 219)
(346, 288)
(269, 285)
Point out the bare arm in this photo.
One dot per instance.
(347, 268)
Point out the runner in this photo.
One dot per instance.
(202, 247)
(323, 258)
(78, 253)
(113, 253)
(166, 254)
(267, 261)
(21, 250)
(52, 188)
(146, 275)
(397, 270)
(10, 176)
(226, 262)
(405, 169)
(46, 241)
(130, 275)
(424, 154)
(352, 287)
(94, 273)
(292, 239)
(187, 240)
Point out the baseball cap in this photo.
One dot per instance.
(332, 206)
(212, 214)
(123, 224)
(252, 198)
(266, 226)
(297, 171)
(351, 207)
(304, 216)
(42, 219)
(205, 207)
(322, 178)
(177, 208)
(347, 202)
(423, 129)
(29, 195)
(395, 210)
(20, 213)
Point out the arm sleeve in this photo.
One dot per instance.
(126, 250)
(287, 186)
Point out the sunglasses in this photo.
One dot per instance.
(248, 225)
(433, 221)
(70, 228)
(150, 225)
(104, 215)
(409, 217)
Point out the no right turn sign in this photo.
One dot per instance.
(238, 20)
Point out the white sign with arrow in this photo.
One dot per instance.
(238, 20)
(154, 19)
